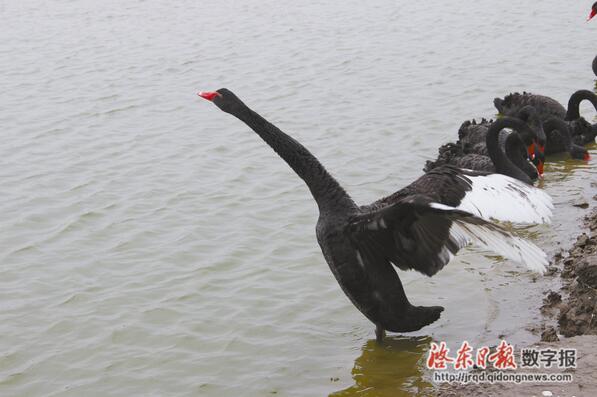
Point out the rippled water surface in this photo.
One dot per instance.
(153, 245)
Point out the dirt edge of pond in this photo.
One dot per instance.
(571, 312)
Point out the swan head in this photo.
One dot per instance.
(581, 127)
(580, 153)
(593, 12)
(529, 115)
(224, 99)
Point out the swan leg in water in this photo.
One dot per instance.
(380, 333)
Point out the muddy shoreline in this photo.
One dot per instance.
(574, 306)
(568, 321)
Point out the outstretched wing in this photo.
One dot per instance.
(415, 233)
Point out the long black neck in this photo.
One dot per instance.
(516, 151)
(326, 191)
(555, 123)
(573, 112)
(535, 132)
(503, 164)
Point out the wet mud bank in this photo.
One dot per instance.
(577, 309)
(568, 322)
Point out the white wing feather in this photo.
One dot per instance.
(502, 198)
(494, 238)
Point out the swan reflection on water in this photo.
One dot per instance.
(395, 368)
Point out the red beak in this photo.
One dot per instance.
(592, 14)
(587, 157)
(540, 169)
(540, 165)
(531, 151)
(209, 95)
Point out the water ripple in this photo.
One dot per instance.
(151, 245)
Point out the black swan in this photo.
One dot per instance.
(420, 227)
(582, 131)
(472, 139)
(560, 140)
(509, 158)
(594, 66)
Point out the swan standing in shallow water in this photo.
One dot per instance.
(420, 227)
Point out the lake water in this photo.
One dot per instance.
(151, 245)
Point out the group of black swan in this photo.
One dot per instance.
(454, 204)
(539, 122)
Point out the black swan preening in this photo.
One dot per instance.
(480, 148)
(420, 227)
(472, 137)
(582, 131)
(560, 140)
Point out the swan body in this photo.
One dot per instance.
(472, 136)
